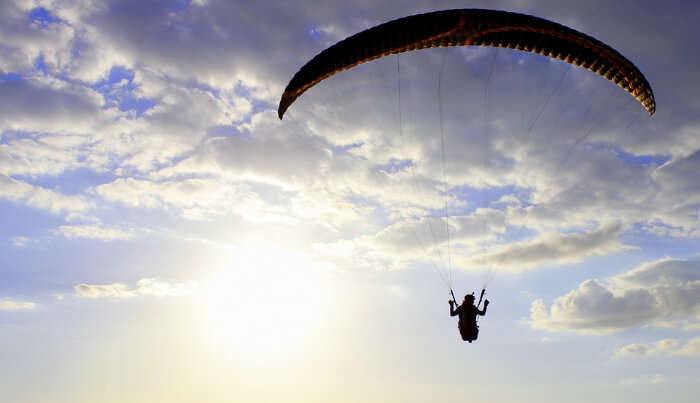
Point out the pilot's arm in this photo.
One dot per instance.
(454, 311)
(483, 312)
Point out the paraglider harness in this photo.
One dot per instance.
(469, 333)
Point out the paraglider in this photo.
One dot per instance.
(472, 27)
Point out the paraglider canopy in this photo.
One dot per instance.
(472, 27)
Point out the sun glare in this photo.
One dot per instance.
(266, 302)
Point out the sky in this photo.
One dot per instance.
(165, 237)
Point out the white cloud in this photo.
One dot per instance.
(144, 287)
(197, 199)
(652, 293)
(104, 290)
(94, 232)
(647, 379)
(410, 235)
(19, 241)
(262, 152)
(24, 42)
(666, 272)
(657, 379)
(675, 347)
(8, 304)
(414, 239)
(34, 196)
(42, 155)
(691, 348)
(660, 347)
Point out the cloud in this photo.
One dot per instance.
(597, 186)
(8, 304)
(660, 347)
(667, 272)
(681, 190)
(650, 294)
(196, 199)
(43, 154)
(425, 239)
(663, 347)
(25, 40)
(260, 151)
(430, 232)
(552, 248)
(144, 287)
(105, 290)
(38, 197)
(19, 241)
(94, 232)
(203, 80)
(650, 379)
(45, 104)
(415, 239)
(691, 348)
(593, 309)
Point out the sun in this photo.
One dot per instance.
(265, 301)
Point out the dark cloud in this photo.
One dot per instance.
(47, 106)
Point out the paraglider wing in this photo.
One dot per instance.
(472, 27)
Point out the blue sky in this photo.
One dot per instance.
(165, 237)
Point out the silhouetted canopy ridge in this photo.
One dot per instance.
(472, 27)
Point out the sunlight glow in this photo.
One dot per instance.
(265, 302)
